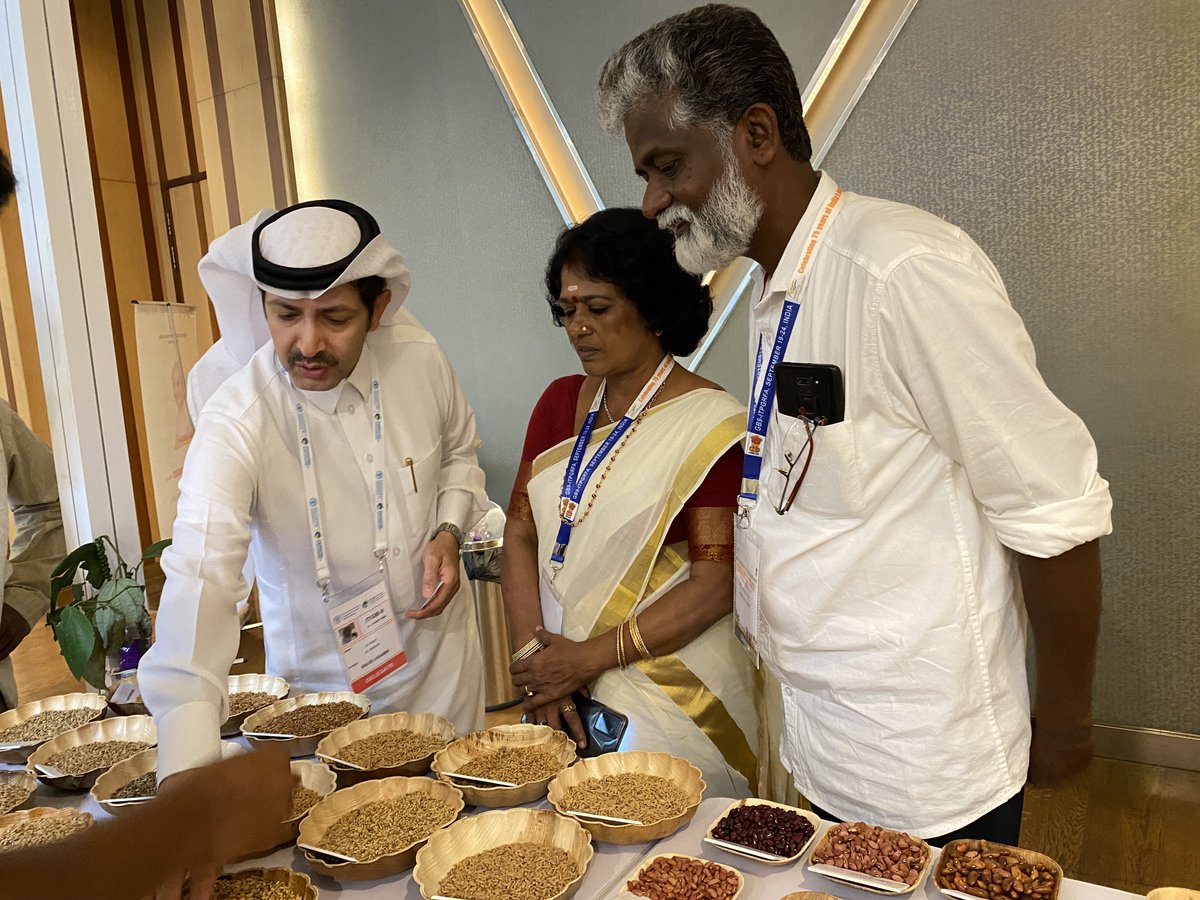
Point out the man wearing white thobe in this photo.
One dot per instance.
(331, 288)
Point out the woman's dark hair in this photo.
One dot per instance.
(625, 249)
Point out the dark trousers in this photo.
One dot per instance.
(1002, 824)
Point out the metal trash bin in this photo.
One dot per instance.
(481, 555)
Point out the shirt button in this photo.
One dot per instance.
(395, 551)
(369, 458)
(351, 409)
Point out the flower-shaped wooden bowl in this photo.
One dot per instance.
(299, 886)
(475, 834)
(19, 780)
(421, 723)
(641, 762)
(462, 751)
(299, 746)
(122, 728)
(120, 775)
(254, 684)
(338, 804)
(19, 753)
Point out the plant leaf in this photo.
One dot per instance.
(154, 551)
(94, 670)
(106, 621)
(127, 598)
(64, 572)
(76, 639)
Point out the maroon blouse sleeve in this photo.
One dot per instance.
(553, 418)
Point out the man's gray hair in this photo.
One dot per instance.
(715, 62)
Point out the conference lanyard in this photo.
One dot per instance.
(758, 418)
(313, 500)
(575, 482)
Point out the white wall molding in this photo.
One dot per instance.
(39, 81)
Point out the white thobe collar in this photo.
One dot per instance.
(790, 259)
(359, 380)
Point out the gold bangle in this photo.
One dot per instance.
(636, 634)
(620, 647)
(528, 650)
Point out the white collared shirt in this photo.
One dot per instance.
(242, 487)
(890, 607)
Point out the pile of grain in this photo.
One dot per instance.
(97, 755)
(251, 887)
(142, 786)
(519, 765)
(387, 826)
(42, 830)
(514, 871)
(630, 795)
(390, 748)
(248, 701)
(317, 718)
(303, 799)
(46, 725)
(12, 796)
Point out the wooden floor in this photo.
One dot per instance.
(1119, 824)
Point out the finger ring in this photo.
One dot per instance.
(528, 692)
(568, 707)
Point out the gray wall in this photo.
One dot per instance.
(392, 106)
(1064, 137)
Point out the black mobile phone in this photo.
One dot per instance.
(811, 389)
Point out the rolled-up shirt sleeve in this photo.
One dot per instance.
(183, 677)
(955, 360)
(462, 498)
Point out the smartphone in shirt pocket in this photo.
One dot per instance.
(832, 486)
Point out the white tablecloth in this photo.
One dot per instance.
(610, 867)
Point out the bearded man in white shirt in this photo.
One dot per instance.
(342, 457)
(957, 498)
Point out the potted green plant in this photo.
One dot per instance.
(107, 614)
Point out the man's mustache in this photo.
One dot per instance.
(321, 359)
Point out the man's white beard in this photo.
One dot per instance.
(723, 228)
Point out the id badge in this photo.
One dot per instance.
(367, 633)
(745, 589)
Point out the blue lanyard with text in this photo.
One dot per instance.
(758, 418)
(312, 499)
(574, 483)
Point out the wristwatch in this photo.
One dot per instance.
(450, 529)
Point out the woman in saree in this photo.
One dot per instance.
(618, 560)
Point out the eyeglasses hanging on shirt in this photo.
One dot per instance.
(813, 395)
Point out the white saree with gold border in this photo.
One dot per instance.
(697, 703)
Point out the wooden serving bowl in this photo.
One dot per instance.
(267, 684)
(336, 805)
(462, 751)
(22, 780)
(120, 775)
(467, 837)
(868, 883)
(649, 861)
(300, 886)
(728, 847)
(299, 746)
(641, 762)
(20, 753)
(955, 849)
(122, 728)
(421, 723)
(39, 811)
